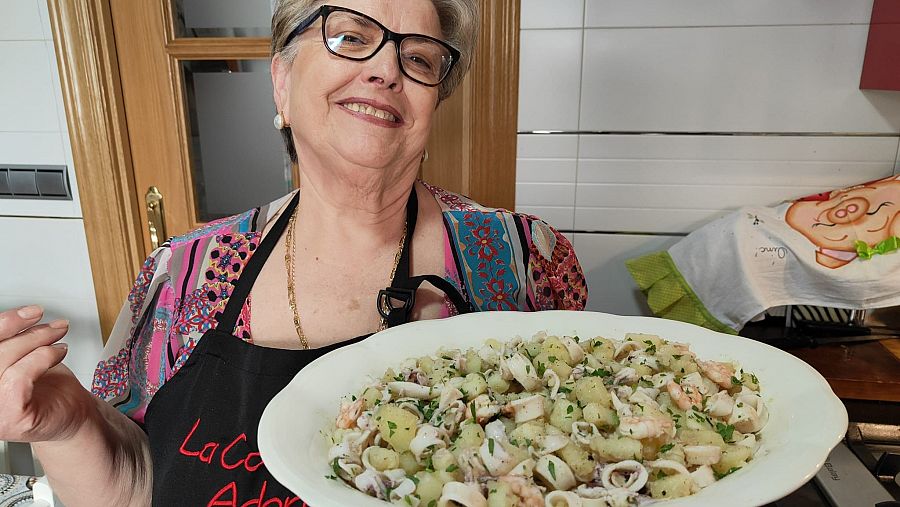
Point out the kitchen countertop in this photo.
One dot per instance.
(867, 370)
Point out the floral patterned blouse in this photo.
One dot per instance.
(497, 259)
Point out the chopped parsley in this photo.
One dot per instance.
(391, 426)
(541, 368)
(726, 430)
(651, 348)
(600, 372)
(452, 468)
(491, 446)
(677, 356)
(736, 381)
(552, 468)
(570, 409)
(666, 448)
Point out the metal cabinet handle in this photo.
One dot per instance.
(156, 220)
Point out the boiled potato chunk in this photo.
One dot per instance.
(592, 390)
(500, 495)
(578, 459)
(616, 448)
(383, 459)
(700, 437)
(473, 386)
(734, 456)
(673, 486)
(408, 463)
(473, 362)
(429, 487)
(371, 396)
(564, 414)
(397, 426)
(602, 349)
(470, 435)
(601, 416)
(553, 362)
(497, 383)
(554, 348)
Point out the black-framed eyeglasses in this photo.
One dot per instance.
(355, 36)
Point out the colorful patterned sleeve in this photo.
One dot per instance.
(135, 366)
(557, 280)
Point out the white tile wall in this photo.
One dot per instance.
(602, 257)
(731, 79)
(656, 13)
(685, 68)
(559, 14)
(21, 20)
(546, 176)
(27, 96)
(48, 265)
(549, 79)
(666, 184)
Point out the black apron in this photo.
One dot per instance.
(202, 423)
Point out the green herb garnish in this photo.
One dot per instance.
(726, 430)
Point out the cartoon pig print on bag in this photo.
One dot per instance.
(834, 221)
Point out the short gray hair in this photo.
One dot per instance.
(459, 21)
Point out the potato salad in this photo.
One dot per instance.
(563, 421)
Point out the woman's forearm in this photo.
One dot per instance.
(106, 462)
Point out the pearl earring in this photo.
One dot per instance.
(279, 121)
(425, 156)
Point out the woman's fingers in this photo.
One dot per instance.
(14, 349)
(13, 322)
(18, 380)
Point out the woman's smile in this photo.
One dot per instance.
(373, 112)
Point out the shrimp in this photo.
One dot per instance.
(350, 411)
(718, 372)
(684, 398)
(528, 494)
(645, 427)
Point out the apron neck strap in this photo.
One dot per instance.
(395, 303)
(228, 318)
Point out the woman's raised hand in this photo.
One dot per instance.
(41, 399)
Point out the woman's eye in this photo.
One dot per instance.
(352, 38)
(420, 62)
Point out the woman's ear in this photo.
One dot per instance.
(281, 84)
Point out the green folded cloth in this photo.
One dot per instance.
(668, 294)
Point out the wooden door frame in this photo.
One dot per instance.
(478, 158)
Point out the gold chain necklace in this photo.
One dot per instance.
(289, 265)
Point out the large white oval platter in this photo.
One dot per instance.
(806, 418)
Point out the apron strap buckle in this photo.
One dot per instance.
(391, 299)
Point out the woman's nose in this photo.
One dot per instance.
(849, 210)
(383, 69)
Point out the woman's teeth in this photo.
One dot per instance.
(371, 111)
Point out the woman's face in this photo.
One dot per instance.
(328, 101)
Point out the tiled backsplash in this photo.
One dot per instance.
(666, 116)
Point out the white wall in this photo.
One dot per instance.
(667, 115)
(44, 260)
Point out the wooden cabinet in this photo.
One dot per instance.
(881, 67)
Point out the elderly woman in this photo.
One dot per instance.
(220, 319)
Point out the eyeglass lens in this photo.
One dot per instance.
(357, 37)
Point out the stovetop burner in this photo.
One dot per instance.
(864, 469)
